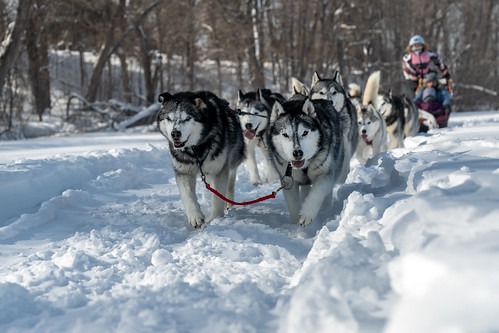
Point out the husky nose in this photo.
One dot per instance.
(248, 126)
(176, 135)
(298, 154)
(364, 131)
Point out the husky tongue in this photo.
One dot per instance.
(366, 140)
(250, 134)
(297, 164)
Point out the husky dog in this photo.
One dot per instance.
(305, 141)
(300, 90)
(354, 91)
(204, 136)
(392, 109)
(411, 115)
(400, 115)
(427, 121)
(254, 112)
(372, 126)
(333, 90)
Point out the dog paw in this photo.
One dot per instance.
(196, 221)
(303, 220)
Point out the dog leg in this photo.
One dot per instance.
(251, 163)
(322, 187)
(187, 189)
(293, 202)
(220, 183)
(231, 187)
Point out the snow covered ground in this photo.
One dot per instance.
(93, 238)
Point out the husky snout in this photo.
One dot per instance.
(298, 154)
(176, 135)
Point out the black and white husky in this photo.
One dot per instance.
(305, 140)
(373, 136)
(401, 117)
(204, 134)
(254, 112)
(333, 89)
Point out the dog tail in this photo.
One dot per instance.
(372, 88)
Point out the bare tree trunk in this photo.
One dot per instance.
(105, 53)
(13, 40)
(125, 78)
(145, 56)
(38, 56)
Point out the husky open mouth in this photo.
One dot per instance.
(366, 139)
(249, 134)
(179, 144)
(297, 164)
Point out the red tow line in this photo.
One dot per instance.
(244, 203)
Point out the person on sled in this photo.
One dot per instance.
(433, 99)
(418, 62)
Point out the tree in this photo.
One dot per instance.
(38, 55)
(12, 43)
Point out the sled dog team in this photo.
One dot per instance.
(308, 139)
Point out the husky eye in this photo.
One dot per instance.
(188, 118)
(285, 135)
(168, 118)
(304, 133)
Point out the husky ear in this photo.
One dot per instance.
(164, 97)
(261, 97)
(199, 103)
(338, 78)
(240, 95)
(315, 78)
(308, 108)
(277, 110)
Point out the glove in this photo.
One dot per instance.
(449, 86)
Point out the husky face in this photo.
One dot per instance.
(295, 133)
(182, 123)
(255, 113)
(329, 89)
(369, 123)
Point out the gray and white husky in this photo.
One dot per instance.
(333, 89)
(373, 136)
(203, 133)
(305, 141)
(401, 117)
(254, 112)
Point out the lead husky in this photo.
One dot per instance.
(372, 126)
(333, 90)
(305, 139)
(203, 134)
(254, 112)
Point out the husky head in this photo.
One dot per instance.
(254, 108)
(369, 122)
(300, 90)
(330, 89)
(295, 132)
(182, 119)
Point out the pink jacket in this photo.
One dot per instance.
(418, 65)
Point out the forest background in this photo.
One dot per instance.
(103, 56)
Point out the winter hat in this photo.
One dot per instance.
(416, 39)
(429, 94)
(430, 77)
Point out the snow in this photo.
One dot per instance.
(93, 237)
